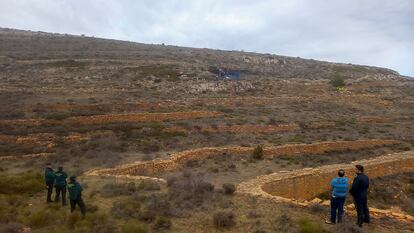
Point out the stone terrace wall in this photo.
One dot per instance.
(180, 159)
(237, 129)
(114, 118)
(306, 184)
(138, 117)
(297, 186)
(29, 156)
(255, 129)
(42, 138)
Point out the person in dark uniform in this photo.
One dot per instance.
(60, 185)
(49, 180)
(75, 195)
(359, 191)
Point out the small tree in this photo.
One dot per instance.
(258, 152)
(338, 81)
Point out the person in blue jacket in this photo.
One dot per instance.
(359, 191)
(49, 180)
(339, 190)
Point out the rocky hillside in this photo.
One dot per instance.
(26, 45)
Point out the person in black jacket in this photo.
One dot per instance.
(359, 191)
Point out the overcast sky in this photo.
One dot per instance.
(371, 32)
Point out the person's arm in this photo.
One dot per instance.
(356, 186)
(332, 187)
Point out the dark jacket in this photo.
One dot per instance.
(75, 190)
(49, 175)
(60, 178)
(360, 186)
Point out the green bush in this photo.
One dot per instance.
(23, 183)
(307, 226)
(338, 81)
(258, 152)
(134, 227)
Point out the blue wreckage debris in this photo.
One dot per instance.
(231, 75)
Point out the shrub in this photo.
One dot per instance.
(404, 147)
(97, 223)
(90, 208)
(284, 224)
(223, 219)
(162, 223)
(258, 152)
(189, 190)
(73, 219)
(229, 188)
(126, 209)
(23, 183)
(317, 208)
(134, 227)
(213, 169)
(158, 203)
(147, 215)
(337, 81)
(306, 226)
(57, 116)
(39, 219)
(253, 214)
(324, 196)
(297, 139)
(347, 227)
(11, 227)
(149, 185)
(118, 189)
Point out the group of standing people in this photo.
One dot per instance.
(359, 191)
(58, 180)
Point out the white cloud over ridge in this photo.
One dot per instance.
(371, 32)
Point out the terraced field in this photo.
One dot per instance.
(159, 141)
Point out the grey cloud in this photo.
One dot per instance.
(372, 32)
